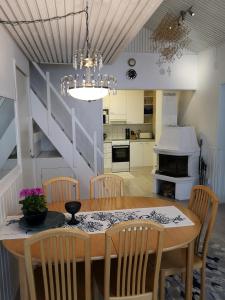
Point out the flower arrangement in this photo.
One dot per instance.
(33, 201)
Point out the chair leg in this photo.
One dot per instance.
(202, 291)
(162, 285)
(183, 277)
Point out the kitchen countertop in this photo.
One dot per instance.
(131, 140)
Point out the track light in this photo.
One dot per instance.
(190, 11)
(183, 14)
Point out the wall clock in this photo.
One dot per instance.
(131, 74)
(131, 62)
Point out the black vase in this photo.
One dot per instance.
(72, 207)
(34, 219)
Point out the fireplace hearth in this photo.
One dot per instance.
(177, 168)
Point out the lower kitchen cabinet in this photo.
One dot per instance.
(141, 154)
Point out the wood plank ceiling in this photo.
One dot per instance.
(112, 25)
(207, 26)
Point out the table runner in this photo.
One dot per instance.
(98, 221)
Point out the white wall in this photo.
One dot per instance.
(12, 183)
(183, 72)
(9, 52)
(201, 110)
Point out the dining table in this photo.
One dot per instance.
(175, 237)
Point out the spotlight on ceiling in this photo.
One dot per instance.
(183, 13)
(190, 11)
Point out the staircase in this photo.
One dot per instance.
(66, 133)
(7, 129)
(7, 143)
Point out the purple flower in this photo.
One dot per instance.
(31, 192)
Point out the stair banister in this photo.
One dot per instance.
(50, 86)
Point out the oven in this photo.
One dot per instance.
(121, 156)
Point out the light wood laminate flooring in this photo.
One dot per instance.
(137, 182)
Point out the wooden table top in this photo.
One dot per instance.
(174, 237)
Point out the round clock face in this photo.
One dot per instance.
(131, 62)
(131, 74)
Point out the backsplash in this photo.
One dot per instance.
(117, 131)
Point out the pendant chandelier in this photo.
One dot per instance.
(171, 37)
(88, 83)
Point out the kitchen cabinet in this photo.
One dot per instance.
(148, 153)
(127, 106)
(117, 107)
(107, 155)
(135, 106)
(136, 153)
(141, 153)
(106, 102)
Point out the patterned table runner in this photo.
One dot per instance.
(98, 221)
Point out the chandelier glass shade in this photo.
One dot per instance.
(170, 38)
(88, 83)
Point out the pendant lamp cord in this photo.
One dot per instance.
(87, 29)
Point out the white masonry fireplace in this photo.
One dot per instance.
(178, 159)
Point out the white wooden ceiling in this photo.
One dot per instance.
(207, 26)
(112, 25)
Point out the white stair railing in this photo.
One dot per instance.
(88, 146)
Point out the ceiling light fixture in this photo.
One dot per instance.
(171, 36)
(88, 84)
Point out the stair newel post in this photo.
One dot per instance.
(48, 100)
(74, 135)
(95, 154)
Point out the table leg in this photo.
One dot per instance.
(24, 295)
(189, 271)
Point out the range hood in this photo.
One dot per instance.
(177, 140)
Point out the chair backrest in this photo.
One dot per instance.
(58, 248)
(64, 189)
(106, 186)
(134, 241)
(204, 203)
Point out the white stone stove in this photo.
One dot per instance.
(177, 142)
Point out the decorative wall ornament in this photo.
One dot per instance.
(170, 38)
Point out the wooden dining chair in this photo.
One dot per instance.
(106, 186)
(127, 277)
(62, 189)
(59, 278)
(204, 204)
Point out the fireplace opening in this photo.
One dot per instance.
(166, 189)
(172, 165)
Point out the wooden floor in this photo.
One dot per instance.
(137, 182)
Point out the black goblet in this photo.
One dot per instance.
(72, 207)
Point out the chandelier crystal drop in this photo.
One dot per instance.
(88, 83)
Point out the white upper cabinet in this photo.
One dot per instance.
(127, 106)
(118, 109)
(135, 106)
